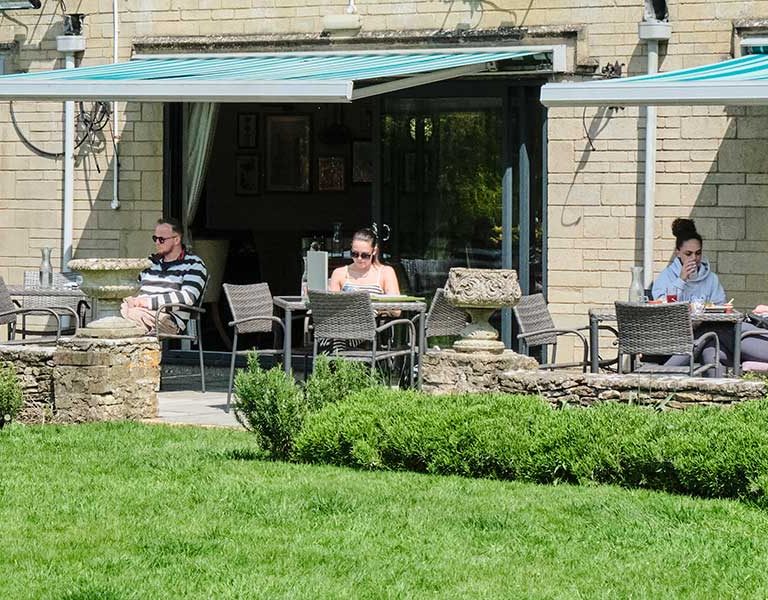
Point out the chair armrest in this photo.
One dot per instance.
(760, 320)
(258, 318)
(32, 311)
(697, 343)
(393, 322)
(576, 332)
(188, 307)
(67, 309)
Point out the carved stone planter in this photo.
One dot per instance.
(480, 292)
(108, 281)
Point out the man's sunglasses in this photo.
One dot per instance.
(363, 255)
(161, 240)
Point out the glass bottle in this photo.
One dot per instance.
(636, 289)
(46, 269)
(336, 240)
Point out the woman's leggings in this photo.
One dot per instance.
(753, 348)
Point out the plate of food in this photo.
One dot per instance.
(718, 308)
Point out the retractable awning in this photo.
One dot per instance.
(740, 81)
(272, 77)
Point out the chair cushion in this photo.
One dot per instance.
(753, 365)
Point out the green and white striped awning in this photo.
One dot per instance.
(270, 77)
(740, 81)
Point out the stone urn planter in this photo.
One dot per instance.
(480, 292)
(108, 281)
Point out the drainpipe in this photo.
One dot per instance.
(651, 32)
(68, 45)
(115, 204)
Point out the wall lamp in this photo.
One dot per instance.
(18, 4)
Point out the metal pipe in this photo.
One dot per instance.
(115, 204)
(650, 172)
(69, 174)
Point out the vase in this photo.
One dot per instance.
(636, 289)
(46, 269)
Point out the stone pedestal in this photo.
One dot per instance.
(448, 371)
(106, 379)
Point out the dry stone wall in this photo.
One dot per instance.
(82, 380)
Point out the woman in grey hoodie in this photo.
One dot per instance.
(688, 273)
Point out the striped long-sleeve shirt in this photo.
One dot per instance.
(182, 280)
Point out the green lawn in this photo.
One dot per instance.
(148, 511)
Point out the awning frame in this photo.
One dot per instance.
(299, 90)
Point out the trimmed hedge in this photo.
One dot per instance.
(706, 452)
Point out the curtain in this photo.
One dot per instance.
(199, 128)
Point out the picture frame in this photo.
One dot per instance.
(247, 175)
(330, 174)
(248, 130)
(287, 153)
(362, 161)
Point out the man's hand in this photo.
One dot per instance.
(137, 302)
(688, 270)
(760, 309)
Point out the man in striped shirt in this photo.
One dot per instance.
(175, 276)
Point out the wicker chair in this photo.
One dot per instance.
(537, 328)
(442, 318)
(10, 311)
(192, 331)
(661, 329)
(349, 316)
(252, 312)
(61, 280)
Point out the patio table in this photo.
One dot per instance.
(289, 304)
(599, 315)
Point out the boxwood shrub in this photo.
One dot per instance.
(708, 452)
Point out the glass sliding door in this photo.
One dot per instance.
(460, 168)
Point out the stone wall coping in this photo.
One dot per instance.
(610, 381)
(88, 343)
(16, 351)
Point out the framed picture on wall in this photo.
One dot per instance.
(247, 175)
(248, 130)
(330, 174)
(362, 161)
(288, 150)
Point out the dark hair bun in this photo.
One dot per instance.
(684, 228)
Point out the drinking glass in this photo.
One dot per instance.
(697, 306)
(672, 294)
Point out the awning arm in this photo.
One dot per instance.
(416, 80)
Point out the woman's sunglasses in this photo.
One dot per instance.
(161, 240)
(363, 255)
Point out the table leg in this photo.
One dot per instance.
(288, 341)
(737, 349)
(594, 343)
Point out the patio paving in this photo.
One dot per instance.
(181, 402)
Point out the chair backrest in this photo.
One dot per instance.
(342, 315)
(60, 279)
(6, 304)
(654, 328)
(443, 317)
(532, 315)
(250, 300)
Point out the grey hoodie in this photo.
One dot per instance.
(704, 284)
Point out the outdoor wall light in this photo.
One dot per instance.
(18, 4)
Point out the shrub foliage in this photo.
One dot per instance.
(706, 452)
(273, 406)
(10, 395)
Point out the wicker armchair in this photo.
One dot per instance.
(442, 318)
(537, 328)
(192, 331)
(10, 312)
(252, 312)
(349, 316)
(661, 329)
(61, 280)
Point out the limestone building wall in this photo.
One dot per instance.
(711, 162)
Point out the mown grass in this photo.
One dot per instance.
(114, 511)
